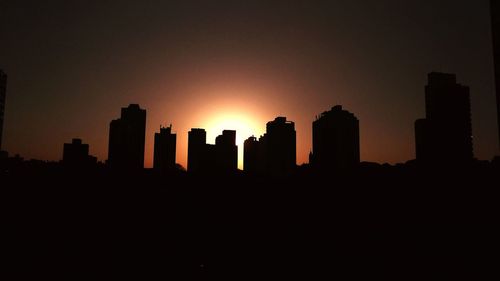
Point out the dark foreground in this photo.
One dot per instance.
(379, 222)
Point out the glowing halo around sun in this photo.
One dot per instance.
(244, 124)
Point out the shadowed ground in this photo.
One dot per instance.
(389, 222)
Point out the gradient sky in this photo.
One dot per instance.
(220, 64)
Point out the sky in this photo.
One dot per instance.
(217, 65)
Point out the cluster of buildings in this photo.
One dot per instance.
(443, 136)
(219, 157)
(336, 145)
(274, 152)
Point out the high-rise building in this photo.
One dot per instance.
(76, 155)
(335, 141)
(219, 158)
(226, 151)
(3, 93)
(164, 150)
(275, 152)
(281, 146)
(197, 139)
(251, 159)
(445, 135)
(126, 139)
(495, 23)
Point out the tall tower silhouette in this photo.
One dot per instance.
(252, 160)
(275, 152)
(3, 93)
(164, 149)
(126, 139)
(335, 140)
(197, 139)
(281, 151)
(226, 151)
(445, 135)
(495, 24)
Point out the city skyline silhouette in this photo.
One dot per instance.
(249, 140)
(241, 73)
(448, 120)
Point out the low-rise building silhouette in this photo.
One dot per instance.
(126, 139)
(164, 150)
(3, 93)
(76, 155)
(335, 141)
(275, 152)
(445, 134)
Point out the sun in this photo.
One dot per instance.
(244, 124)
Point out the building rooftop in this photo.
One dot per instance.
(335, 111)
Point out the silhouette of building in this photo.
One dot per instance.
(197, 139)
(495, 22)
(76, 155)
(164, 150)
(275, 152)
(226, 151)
(255, 156)
(281, 148)
(126, 139)
(445, 135)
(335, 141)
(221, 157)
(3, 93)
(251, 159)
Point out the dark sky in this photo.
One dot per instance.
(73, 64)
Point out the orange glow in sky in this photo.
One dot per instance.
(217, 66)
(244, 125)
